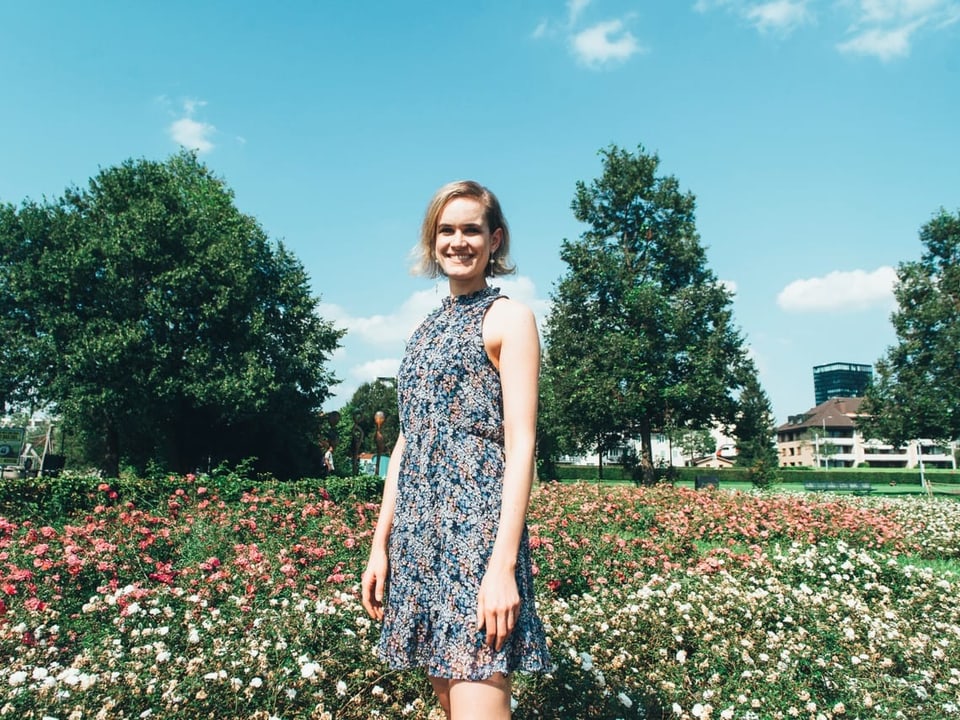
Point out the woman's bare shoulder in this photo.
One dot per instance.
(510, 312)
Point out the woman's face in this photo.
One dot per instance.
(464, 242)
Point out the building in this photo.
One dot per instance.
(840, 380)
(827, 436)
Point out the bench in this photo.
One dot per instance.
(701, 482)
(857, 488)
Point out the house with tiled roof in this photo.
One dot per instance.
(828, 435)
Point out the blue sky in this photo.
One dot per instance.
(817, 135)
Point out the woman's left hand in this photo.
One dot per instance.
(498, 606)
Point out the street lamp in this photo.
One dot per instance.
(378, 418)
(823, 424)
(923, 479)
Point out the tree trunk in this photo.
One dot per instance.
(646, 453)
(111, 450)
(599, 459)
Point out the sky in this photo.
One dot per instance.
(818, 137)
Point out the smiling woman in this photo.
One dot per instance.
(450, 573)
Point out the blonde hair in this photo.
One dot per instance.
(424, 255)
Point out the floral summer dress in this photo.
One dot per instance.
(448, 505)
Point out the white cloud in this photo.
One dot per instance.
(840, 291)
(885, 29)
(190, 106)
(781, 16)
(574, 9)
(380, 330)
(880, 11)
(190, 133)
(371, 370)
(880, 43)
(603, 43)
(730, 285)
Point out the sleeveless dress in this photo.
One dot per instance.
(448, 506)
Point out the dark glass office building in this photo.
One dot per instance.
(840, 380)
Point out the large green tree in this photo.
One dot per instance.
(916, 386)
(163, 325)
(640, 336)
(13, 351)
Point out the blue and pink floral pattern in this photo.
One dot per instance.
(448, 505)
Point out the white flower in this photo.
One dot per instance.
(256, 682)
(697, 710)
(309, 670)
(681, 656)
(17, 678)
(625, 700)
(341, 688)
(39, 673)
(587, 661)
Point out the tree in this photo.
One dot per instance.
(755, 430)
(163, 325)
(14, 384)
(640, 336)
(916, 388)
(696, 442)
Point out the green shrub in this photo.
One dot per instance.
(360, 488)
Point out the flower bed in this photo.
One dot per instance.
(659, 602)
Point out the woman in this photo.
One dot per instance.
(449, 571)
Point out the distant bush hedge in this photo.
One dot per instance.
(49, 498)
(616, 473)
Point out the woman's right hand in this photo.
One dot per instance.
(372, 583)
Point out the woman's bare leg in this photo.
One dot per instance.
(441, 687)
(480, 700)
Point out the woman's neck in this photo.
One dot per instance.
(458, 287)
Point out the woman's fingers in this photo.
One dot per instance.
(498, 624)
(371, 593)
